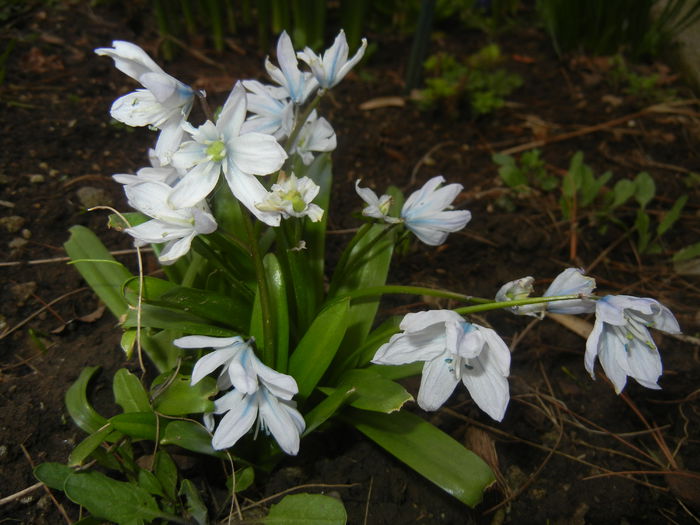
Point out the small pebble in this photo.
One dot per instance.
(26, 234)
(90, 197)
(37, 178)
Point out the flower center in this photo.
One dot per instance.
(217, 151)
(298, 203)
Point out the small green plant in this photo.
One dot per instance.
(583, 191)
(530, 172)
(645, 87)
(478, 81)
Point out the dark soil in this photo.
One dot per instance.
(569, 450)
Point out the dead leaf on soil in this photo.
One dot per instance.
(383, 102)
(37, 62)
(482, 445)
(685, 486)
(573, 323)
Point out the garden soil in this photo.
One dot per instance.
(569, 451)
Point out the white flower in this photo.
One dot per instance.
(174, 227)
(316, 135)
(299, 85)
(275, 415)
(165, 103)
(516, 290)
(424, 212)
(156, 173)
(272, 111)
(259, 393)
(571, 282)
(334, 65)
(377, 207)
(221, 147)
(292, 197)
(621, 340)
(453, 350)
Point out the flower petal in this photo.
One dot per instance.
(438, 382)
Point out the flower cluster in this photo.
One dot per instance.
(258, 393)
(258, 128)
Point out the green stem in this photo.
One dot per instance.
(346, 255)
(374, 291)
(267, 350)
(301, 121)
(495, 305)
(201, 246)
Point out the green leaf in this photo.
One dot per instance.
(88, 445)
(278, 299)
(195, 506)
(138, 425)
(645, 188)
(53, 475)
(302, 509)
(372, 392)
(326, 408)
(372, 270)
(153, 316)
(128, 342)
(230, 310)
(317, 348)
(398, 372)
(129, 392)
(672, 215)
(641, 223)
(160, 348)
(181, 398)
(133, 218)
(102, 272)
(79, 408)
(190, 436)
(149, 482)
(320, 171)
(623, 190)
(428, 451)
(109, 499)
(687, 253)
(166, 472)
(243, 479)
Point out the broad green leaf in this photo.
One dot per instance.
(376, 338)
(302, 509)
(152, 289)
(641, 223)
(672, 215)
(159, 347)
(139, 425)
(317, 348)
(166, 472)
(687, 253)
(129, 392)
(180, 398)
(372, 392)
(79, 408)
(102, 272)
(278, 300)
(398, 372)
(109, 499)
(195, 506)
(230, 310)
(320, 171)
(326, 408)
(428, 451)
(133, 218)
(53, 475)
(190, 436)
(153, 316)
(128, 342)
(623, 190)
(509, 171)
(88, 445)
(645, 188)
(244, 478)
(149, 482)
(371, 270)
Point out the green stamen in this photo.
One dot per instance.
(217, 151)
